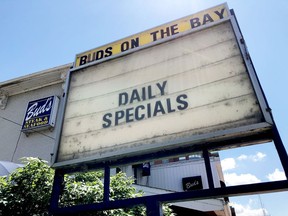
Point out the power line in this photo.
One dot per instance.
(16, 123)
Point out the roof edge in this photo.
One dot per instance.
(31, 81)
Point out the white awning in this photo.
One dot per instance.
(7, 167)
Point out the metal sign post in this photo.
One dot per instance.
(153, 203)
(281, 150)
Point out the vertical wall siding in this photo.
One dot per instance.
(169, 175)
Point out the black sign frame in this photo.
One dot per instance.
(153, 203)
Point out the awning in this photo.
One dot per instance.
(7, 167)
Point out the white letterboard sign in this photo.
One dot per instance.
(185, 90)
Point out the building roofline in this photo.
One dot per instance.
(34, 81)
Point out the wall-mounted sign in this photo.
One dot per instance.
(192, 88)
(164, 31)
(146, 169)
(40, 114)
(192, 183)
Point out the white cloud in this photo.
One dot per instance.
(255, 158)
(242, 157)
(234, 179)
(276, 175)
(247, 210)
(259, 156)
(228, 164)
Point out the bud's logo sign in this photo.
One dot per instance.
(40, 113)
(192, 183)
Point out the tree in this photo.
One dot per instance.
(27, 191)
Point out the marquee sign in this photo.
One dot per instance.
(155, 34)
(40, 114)
(190, 88)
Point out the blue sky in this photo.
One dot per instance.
(40, 34)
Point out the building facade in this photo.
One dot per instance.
(15, 96)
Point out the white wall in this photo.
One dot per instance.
(169, 175)
(13, 143)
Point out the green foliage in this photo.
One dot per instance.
(88, 188)
(82, 189)
(27, 191)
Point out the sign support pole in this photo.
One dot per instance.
(56, 190)
(208, 168)
(153, 208)
(106, 184)
(280, 150)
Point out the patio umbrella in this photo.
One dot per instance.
(7, 167)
